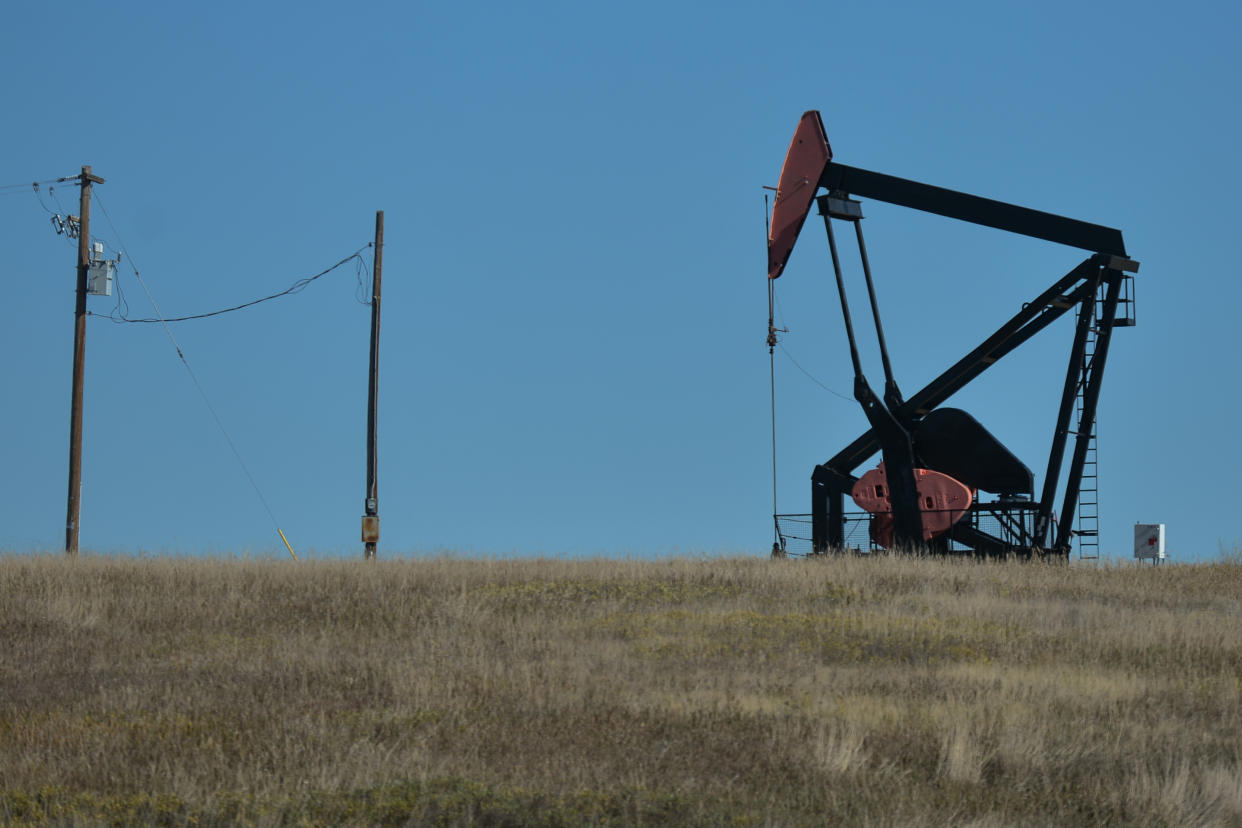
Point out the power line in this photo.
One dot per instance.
(52, 192)
(41, 204)
(35, 184)
(296, 287)
(780, 314)
(811, 376)
(363, 291)
(65, 226)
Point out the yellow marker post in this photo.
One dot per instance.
(286, 540)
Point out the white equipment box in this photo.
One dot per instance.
(1149, 541)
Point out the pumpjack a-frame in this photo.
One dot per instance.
(937, 462)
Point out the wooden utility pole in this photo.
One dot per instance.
(79, 362)
(370, 520)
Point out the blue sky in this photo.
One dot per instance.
(574, 298)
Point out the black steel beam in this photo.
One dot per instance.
(828, 490)
(970, 367)
(980, 541)
(822, 536)
(972, 208)
(1034, 317)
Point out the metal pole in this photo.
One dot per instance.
(79, 364)
(892, 396)
(845, 303)
(370, 523)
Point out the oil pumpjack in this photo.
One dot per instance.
(936, 462)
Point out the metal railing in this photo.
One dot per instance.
(1010, 522)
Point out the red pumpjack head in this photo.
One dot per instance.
(804, 165)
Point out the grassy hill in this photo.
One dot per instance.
(544, 692)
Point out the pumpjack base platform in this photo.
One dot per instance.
(1008, 525)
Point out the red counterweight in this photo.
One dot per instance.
(943, 501)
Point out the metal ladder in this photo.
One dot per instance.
(1088, 513)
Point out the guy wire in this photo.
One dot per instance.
(194, 379)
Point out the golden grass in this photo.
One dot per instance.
(882, 691)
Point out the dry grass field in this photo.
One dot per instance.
(885, 691)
